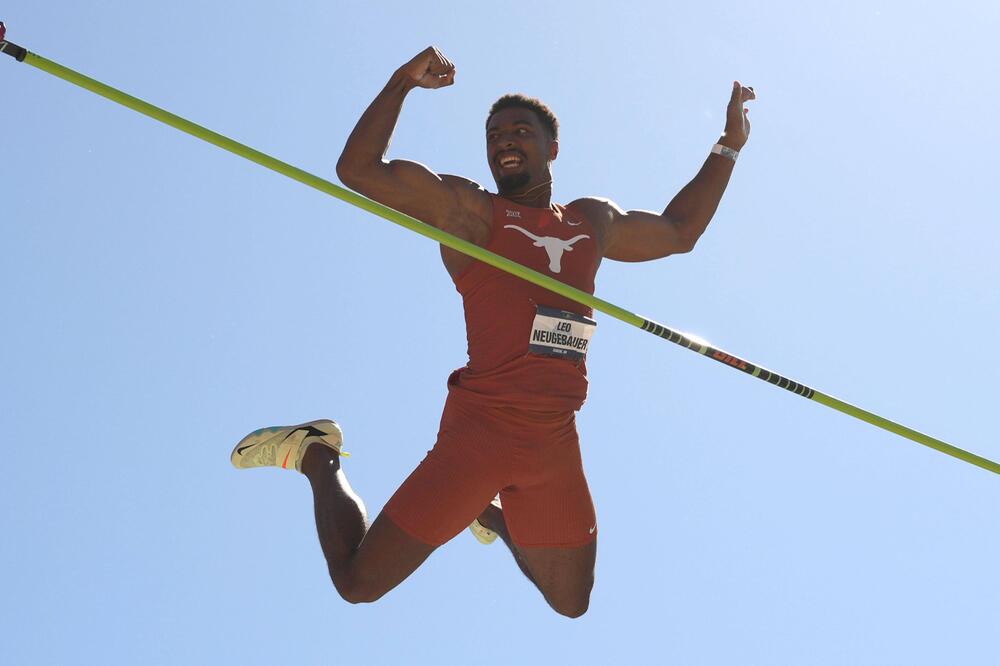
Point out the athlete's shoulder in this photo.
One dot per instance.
(473, 195)
(595, 205)
(599, 210)
(461, 181)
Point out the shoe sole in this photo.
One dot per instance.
(483, 535)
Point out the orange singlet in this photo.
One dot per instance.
(509, 423)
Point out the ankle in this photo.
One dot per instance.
(492, 519)
(319, 460)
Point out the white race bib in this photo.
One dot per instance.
(561, 334)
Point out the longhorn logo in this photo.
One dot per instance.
(553, 246)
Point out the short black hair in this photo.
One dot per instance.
(540, 109)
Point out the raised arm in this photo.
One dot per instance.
(639, 235)
(449, 203)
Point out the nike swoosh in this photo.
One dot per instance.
(284, 463)
(573, 224)
(593, 529)
(309, 431)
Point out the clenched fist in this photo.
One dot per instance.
(429, 69)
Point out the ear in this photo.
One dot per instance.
(553, 150)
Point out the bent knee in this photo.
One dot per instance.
(571, 608)
(356, 590)
(359, 594)
(571, 603)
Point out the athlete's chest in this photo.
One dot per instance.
(554, 241)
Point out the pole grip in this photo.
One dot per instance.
(19, 53)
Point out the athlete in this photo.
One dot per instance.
(507, 458)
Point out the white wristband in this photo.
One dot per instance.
(725, 151)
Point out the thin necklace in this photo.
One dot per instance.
(524, 194)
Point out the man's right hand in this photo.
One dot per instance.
(429, 69)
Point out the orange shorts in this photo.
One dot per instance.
(531, 458)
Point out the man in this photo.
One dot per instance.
(508, 427)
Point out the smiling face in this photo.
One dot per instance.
(520, 150)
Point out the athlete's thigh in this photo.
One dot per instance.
(386, 557)
(564, 575)
(457, 478)
(549, 504)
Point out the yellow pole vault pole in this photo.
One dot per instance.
(23, 55)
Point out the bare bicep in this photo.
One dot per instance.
(634, 235)
(414, 189)
(642, 235)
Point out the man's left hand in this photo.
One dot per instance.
(737, 121)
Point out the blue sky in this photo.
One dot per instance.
(161, 298)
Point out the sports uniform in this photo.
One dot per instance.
(509, 420)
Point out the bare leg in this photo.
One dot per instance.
(363, 563)
(492, 519)
(564, 576)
